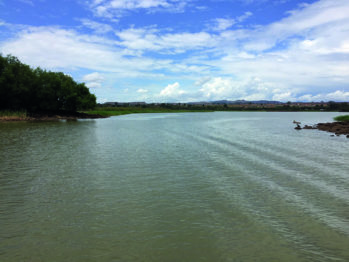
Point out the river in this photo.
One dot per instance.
(222, 186)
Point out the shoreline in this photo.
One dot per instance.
(50, 116)
(336, 128)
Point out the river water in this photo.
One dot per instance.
(222, 186)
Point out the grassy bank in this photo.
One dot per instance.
(344, 118)
(116, 111)
(13, 115)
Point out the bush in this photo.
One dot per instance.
(342, 118)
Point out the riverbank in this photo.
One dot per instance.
(45, 116)
(91, 114)
(340, 127)
(117, 111)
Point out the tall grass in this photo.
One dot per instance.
(13, 115)
(344, 118)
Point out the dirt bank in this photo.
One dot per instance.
(51, 116)
(338, 128)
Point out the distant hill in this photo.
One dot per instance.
(236, 102)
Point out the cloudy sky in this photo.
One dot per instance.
(186, 50)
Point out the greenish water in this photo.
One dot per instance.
(222, 186)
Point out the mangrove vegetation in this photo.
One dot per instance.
(23, 88)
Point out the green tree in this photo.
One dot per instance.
(22, 87)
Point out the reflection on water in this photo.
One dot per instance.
(174, 187)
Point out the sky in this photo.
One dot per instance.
(186, 50)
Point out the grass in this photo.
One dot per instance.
(12, 115)
(116, 111)
(344, 118)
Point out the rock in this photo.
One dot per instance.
(339, 128)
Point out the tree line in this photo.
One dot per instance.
(25, 88)
(287, 107)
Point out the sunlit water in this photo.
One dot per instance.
(174, 187)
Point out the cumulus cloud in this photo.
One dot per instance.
(55, 48)
(218, 88)
(115, 8)
(222, 24)
(142, 91)
(304, 56)
(172, 92)
(58, 48)
(93, 80)
(338, 95)
(309, 19)
(99, 28)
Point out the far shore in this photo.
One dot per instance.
(336, 128)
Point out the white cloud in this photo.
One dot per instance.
(307, 20)
(302, 56)
(115, 8)
(58, 48)
(99, 28)
(218, 88)
(152, 39)
(307, 52)
(287, 96)
(142, 91)
(244, 16)
(222, 24)
(94, 80)
(55, 48)
(172, 91)
(223, 88)
(134, 4)
(338, 95)
(93, 77)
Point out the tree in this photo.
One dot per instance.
(22, 87)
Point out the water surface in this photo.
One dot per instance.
(223, 186)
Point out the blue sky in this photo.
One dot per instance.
(186, 50)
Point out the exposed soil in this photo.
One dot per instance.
(52, 116)
(338, 128)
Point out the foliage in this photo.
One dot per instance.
(344, 118)
(202, 107)
(7, 114)
(333, 106)
(24, 88)
(115, 111)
